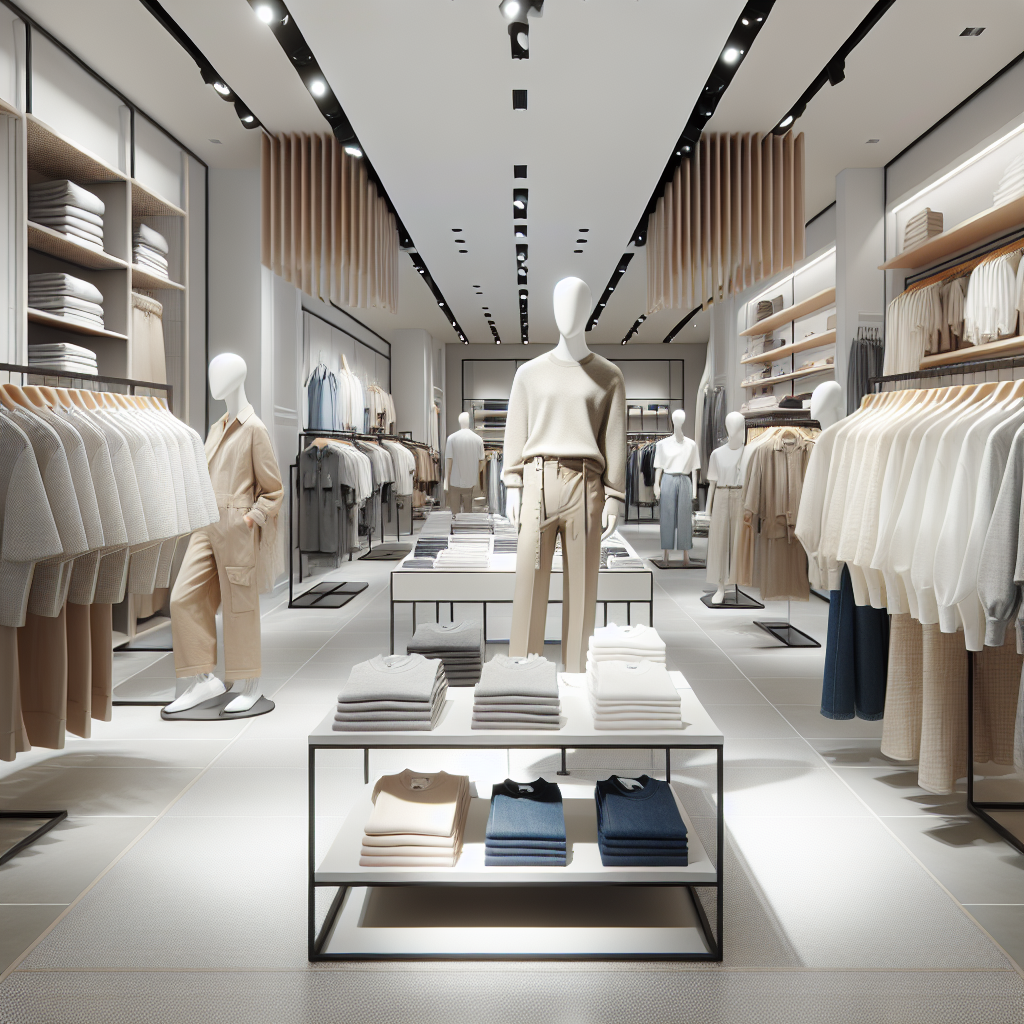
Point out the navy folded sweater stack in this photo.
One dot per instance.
(639, 824)
(526, 826)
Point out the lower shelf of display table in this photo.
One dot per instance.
(341, 864)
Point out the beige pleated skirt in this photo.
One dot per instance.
(725, 536)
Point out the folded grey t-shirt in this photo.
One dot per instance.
(393, 677)
(430, 636)
(503, 676)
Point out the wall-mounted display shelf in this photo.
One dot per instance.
(993, 350)
(822, 300)
(967, 233)
(44, 239)
(804, 371)
(54, 156)
(148, 281)
(811, 341)
(39, 316)
(147, 203)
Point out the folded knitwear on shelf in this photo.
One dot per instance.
(64, 193)
(639, 824)
(43, 213)
(632, 695)
(145, 235)
(418, 563)
(151, 256)
(457, 646)
(639, 641)
(418, 820)
(49, 302)
(392, 693)
(921, 227)
(525, 825)
(69, 222)
(1011, 184)
(40, 285)
(517, 693)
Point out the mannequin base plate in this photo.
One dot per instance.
(694, 563)
(387, 553)
(212, 710)
(734, 598)
(328, 595)
(787, 634)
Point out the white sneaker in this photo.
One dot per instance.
(202, 688)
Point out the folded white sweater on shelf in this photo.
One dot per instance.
(148, 236)
(65, 193)
(40, 285)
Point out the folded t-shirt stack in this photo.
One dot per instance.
(464, 556)
(525, 826)
(625, 643)
(68, 209)
(457, 646)
(625, 562)
(62, 357)
(471, 522)
(418, 821)
(1011, 184)
(517, 693)
(428, 547)
(630, 695)
(921, 227)
(392, 693)
(149, 250)
(66, 296)
(639, 824)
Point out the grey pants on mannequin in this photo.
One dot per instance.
(676, 512)
(561, 497)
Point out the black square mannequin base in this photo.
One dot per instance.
(386, 553)
(734, 598)
(787, 634)
(671, 563)
(212, 710)
(328, 595)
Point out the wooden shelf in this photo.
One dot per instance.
(806, 371)
(147, 203)
(993, 221)
(977, 353)
(39, 316)
(7, 108)
(54, 156)
(142, 278)
(817, 302)
(812, 341)
(44, 239)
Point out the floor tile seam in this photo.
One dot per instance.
(1019, 969)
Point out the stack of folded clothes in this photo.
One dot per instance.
(1011, 184)
(639, 824)
(66, 296)
(625, 562)
(526, 826)
(506, 537)
(630, 695)
(428, 547)
(149, 250)
(457, 646)
(625, 643)
(517, 693)
(921, 227)
(68, 209)
(62, 357)
(392, 693)
(464, 556)
(418, 563)
(417, 821)
(471, 522)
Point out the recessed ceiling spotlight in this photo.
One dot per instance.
(265, 13)
(461, 240)
(354, 151)
(216, 142)
(456, 230)
(786, 121)
(510, 8)
(731, 55)
(519, 204)
(222, 88)
(871, 141)
(440, 303)
(973, 31)
(317, 87)
(463, 250)
(744, 21)
(577, 250)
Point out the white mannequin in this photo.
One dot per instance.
(678, 420)
(463, 425)
(734, 426)
(227, 383)
(572, 302)
(827, 403)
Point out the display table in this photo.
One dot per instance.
(496, 585)
(346, 934)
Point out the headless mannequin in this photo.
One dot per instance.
(572, 302)
(678, 420)
(827, 404)
(227, 384)
(463, 426)
(735, 428)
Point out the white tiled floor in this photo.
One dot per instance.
(177, 884)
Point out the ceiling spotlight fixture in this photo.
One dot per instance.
(247, 119)
(973, 31)
(786, 121)
(353, 151)
(872, 141)
(265, 13)
(731, 55)
(222, 88)
(744, 21)
(317, 87)
(440, 303)
(510, 8)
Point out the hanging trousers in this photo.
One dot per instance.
(676, 512)
(43, 668)
(79, 629)
(13, 738)
(561, 498)
(460, 499)
(219, 568)
(724, 535)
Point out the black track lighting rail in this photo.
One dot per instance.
(609, 288)
(421, 268)
(682, 323)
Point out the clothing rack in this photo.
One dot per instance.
(640, 439)
(54, 378)
(980, 808)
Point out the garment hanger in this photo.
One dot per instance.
(53, 396)
(5, 399)
(78, 397)
(17, 395)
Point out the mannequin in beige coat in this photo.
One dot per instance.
(226, 562)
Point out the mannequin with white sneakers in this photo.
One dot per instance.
(725, 506)
(229, 563)
(676, 466)
(565, 471)
(463, 464)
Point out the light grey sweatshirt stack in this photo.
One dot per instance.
(517, 693)
(458, 647)
(394, 693)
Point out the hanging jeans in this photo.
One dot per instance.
(561, 497)
(676, 511)
(856, 657)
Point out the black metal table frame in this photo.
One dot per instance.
(316, 938)
(628, 602)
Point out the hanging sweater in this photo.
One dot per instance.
(572, 410)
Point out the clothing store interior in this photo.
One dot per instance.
(512, 511)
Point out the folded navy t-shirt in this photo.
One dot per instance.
(644, 812)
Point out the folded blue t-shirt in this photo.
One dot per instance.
(648, 811)
(528, 810)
